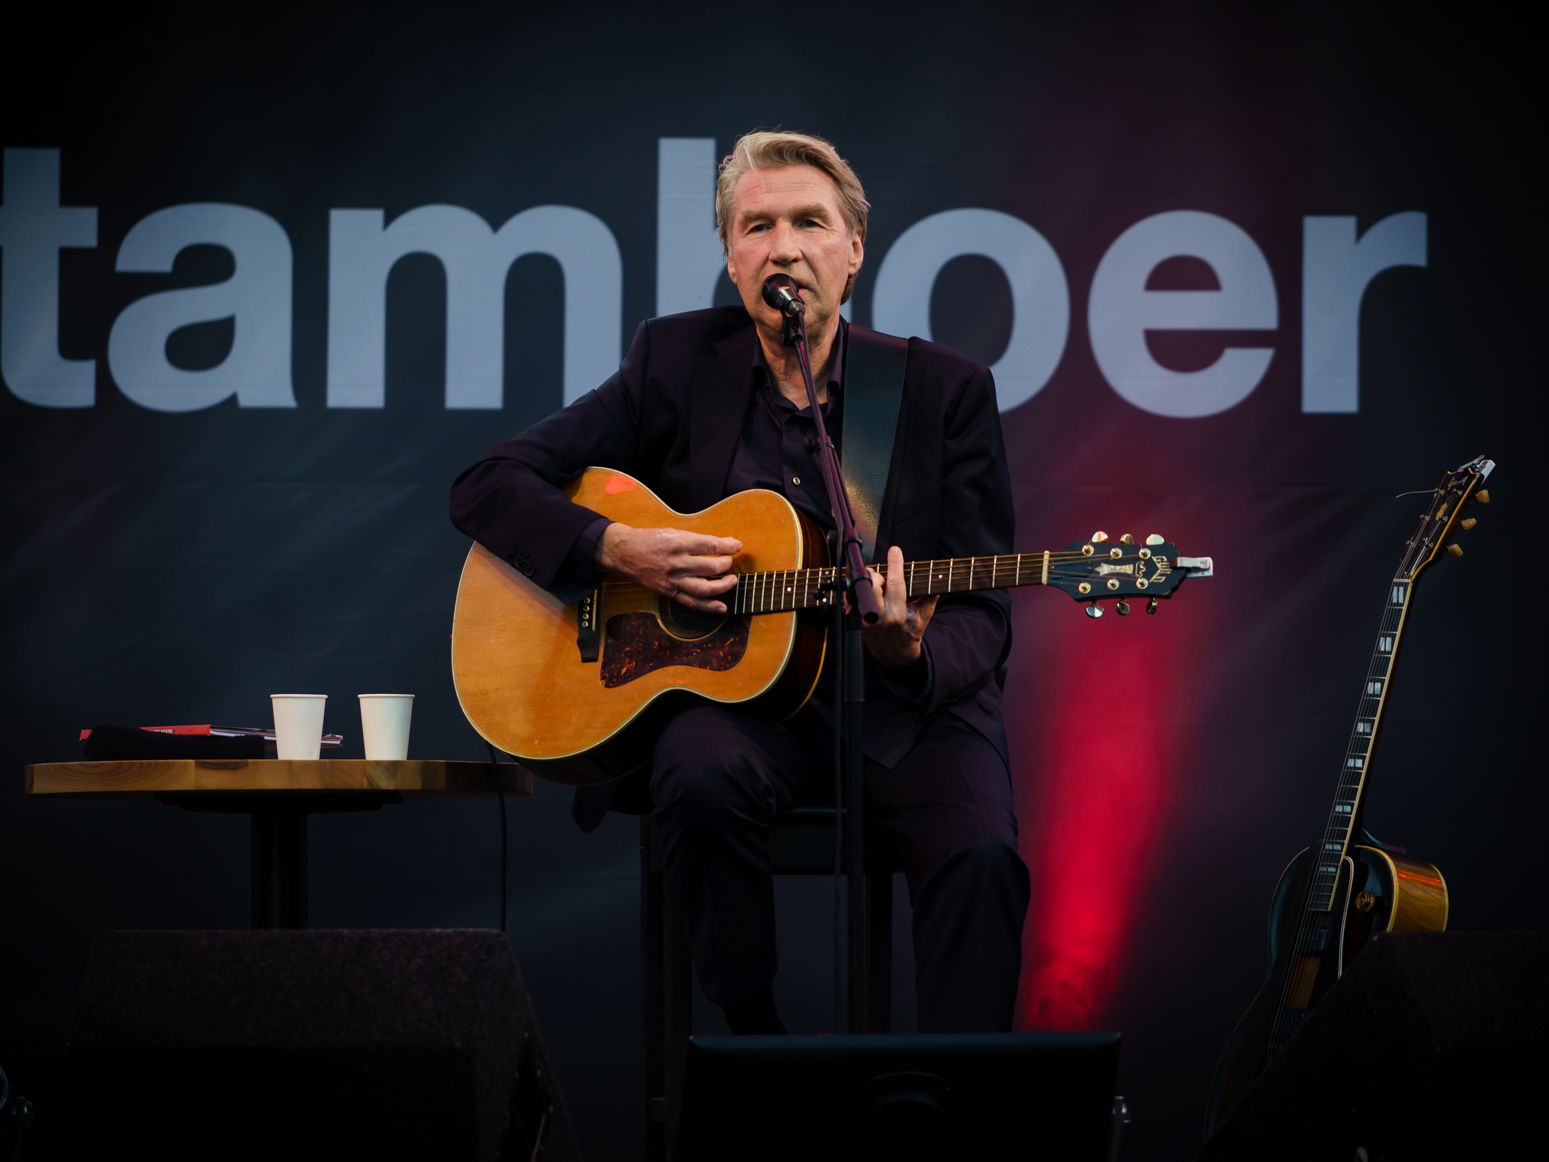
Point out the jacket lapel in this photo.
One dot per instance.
(720, 391)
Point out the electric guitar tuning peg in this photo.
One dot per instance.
(1094, 610)
(1482, 496)
(1127, 539)
(1468, 522)
(1154, 539)
(1455, 549)
(1151, 605)
(1122, 607)
(1099, 537)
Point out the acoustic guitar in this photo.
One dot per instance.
(1334, 896)
(574, 690)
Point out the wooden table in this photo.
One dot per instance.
(279, 794)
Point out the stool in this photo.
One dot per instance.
(801, 842)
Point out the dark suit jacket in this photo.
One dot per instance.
(672, 417)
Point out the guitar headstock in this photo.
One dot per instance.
(1458, 489)
(1098, 569)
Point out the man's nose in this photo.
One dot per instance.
(785, 246)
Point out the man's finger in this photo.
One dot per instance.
(705, 566)
(704, 586)
(898, 591)
(702, 545)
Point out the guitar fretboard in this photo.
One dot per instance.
(785, 590)
(1352, 772)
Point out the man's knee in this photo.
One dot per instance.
(704, 773)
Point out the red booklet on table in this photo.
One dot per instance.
(265, 732)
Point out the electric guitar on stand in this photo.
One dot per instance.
(575, 690)
(1334, 896)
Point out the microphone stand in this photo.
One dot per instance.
(863, 608)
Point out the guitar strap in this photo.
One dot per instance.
(873, 391)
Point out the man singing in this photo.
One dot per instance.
(710, 403)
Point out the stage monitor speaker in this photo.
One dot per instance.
(295, 1043)
(899, 1098)
(1431, 1045)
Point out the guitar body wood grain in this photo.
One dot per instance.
(518, 669)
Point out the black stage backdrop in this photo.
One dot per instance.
(271, 280)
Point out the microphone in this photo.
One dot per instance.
(781, 294)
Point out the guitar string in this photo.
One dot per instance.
(802, 584)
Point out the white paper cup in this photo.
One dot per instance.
(384, 724)
(298, 725)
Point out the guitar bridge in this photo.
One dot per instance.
(588, 638)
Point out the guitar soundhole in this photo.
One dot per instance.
(636, 644)
(688, 625)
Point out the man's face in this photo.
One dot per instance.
(788, 221)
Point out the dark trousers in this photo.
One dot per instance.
(720, 775)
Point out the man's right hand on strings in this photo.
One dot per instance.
(691, 568)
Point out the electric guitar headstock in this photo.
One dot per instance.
(1098, 568)
(1458, 489)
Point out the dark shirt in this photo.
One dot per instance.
(778, 445)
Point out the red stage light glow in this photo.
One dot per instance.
(1101, 792)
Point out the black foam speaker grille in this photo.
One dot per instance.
(306, 1043)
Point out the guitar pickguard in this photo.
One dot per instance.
(636, 644)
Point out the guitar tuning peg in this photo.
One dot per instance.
(1099, 537)
(1094, 610)
(1151, 605)
(1127, 539)
(1455, 549)
(1468, 522)
(1482, 496)
(1122, 607)
(1154, 539)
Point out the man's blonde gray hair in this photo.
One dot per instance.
(777, 149)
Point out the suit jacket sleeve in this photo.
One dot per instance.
(512, 502)
(954, 500)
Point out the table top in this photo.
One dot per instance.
(140, 778)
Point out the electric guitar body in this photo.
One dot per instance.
(1375, 891)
